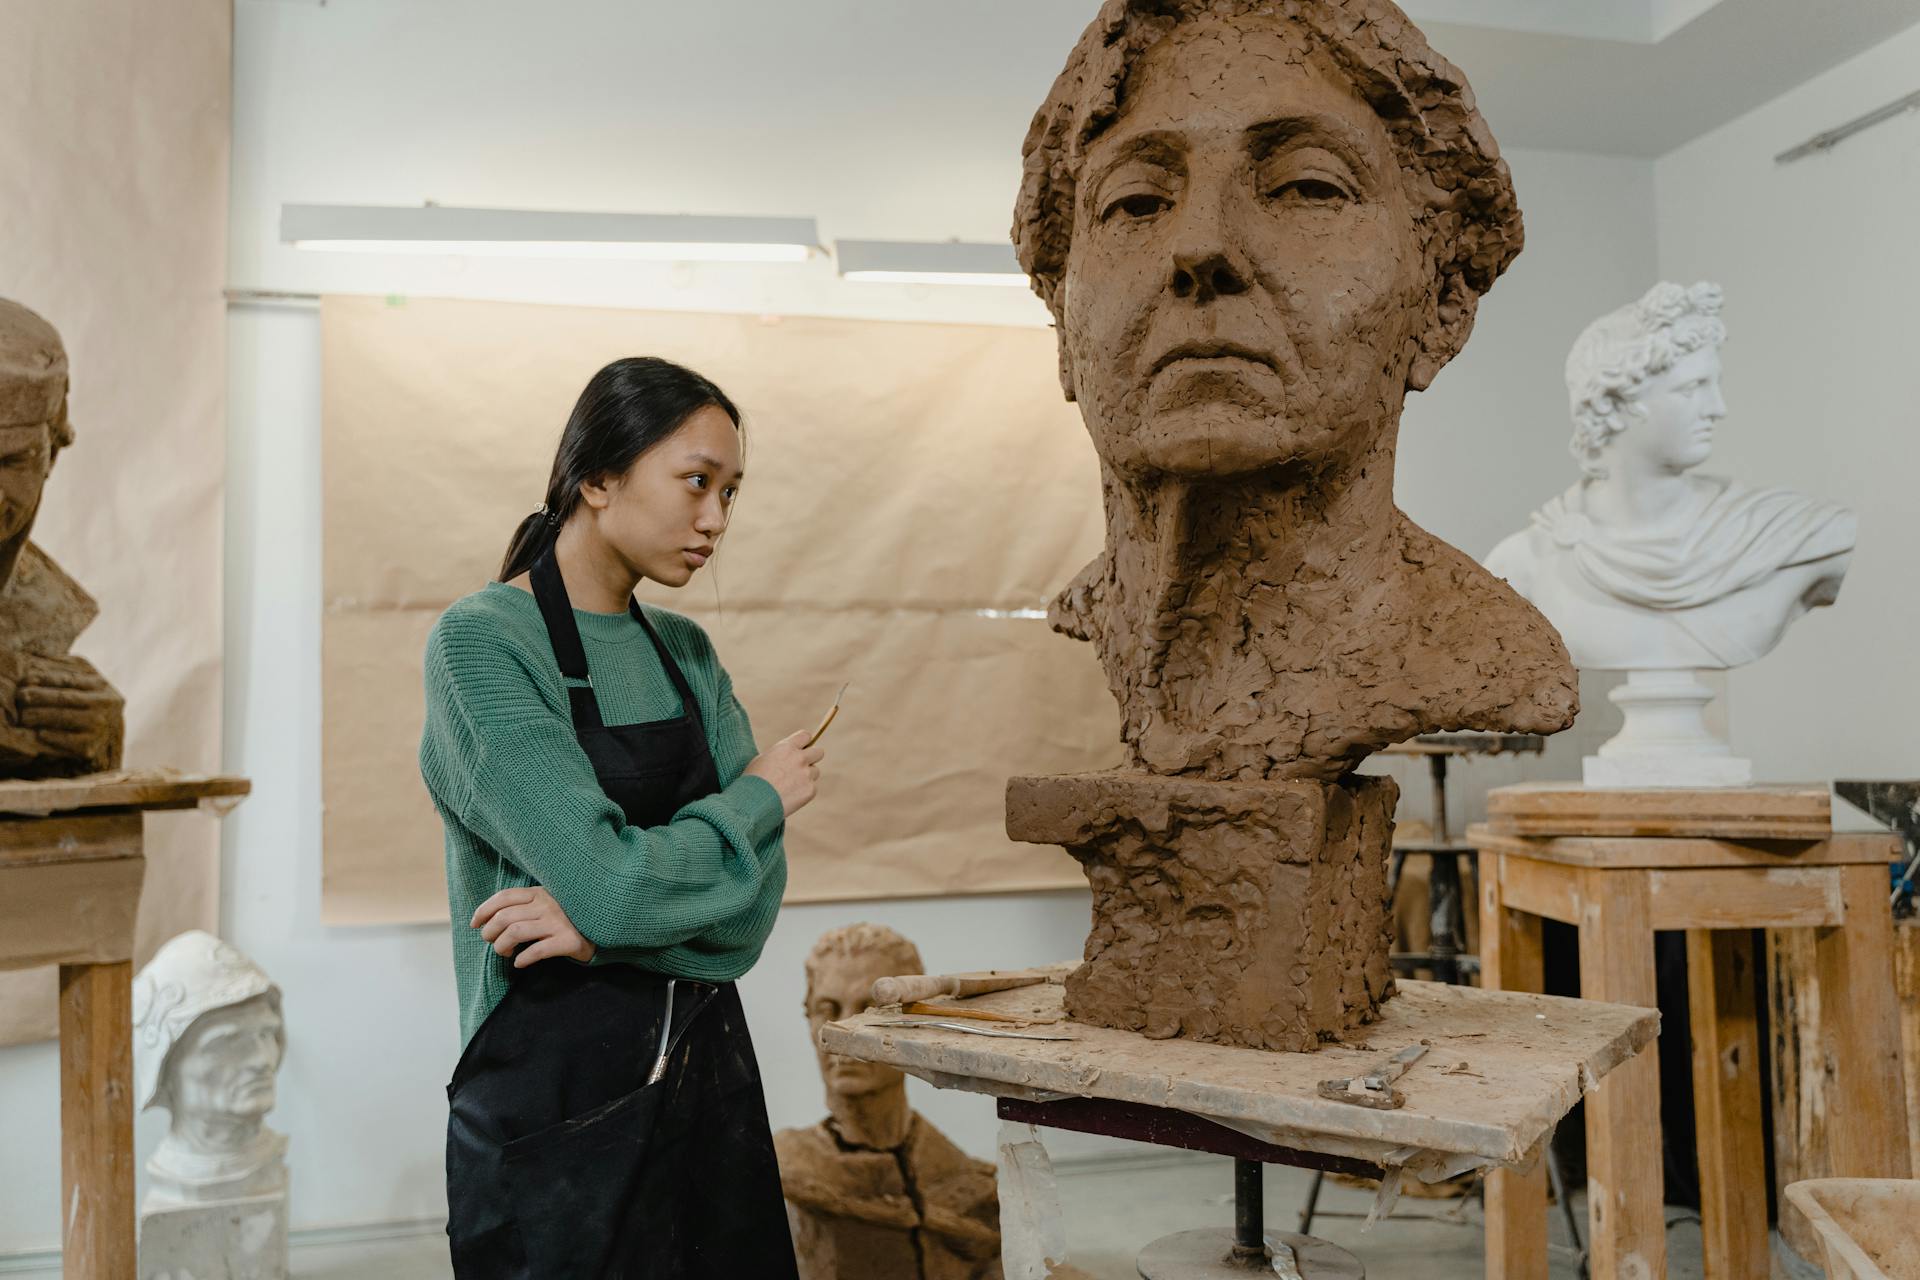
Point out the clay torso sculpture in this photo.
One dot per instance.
(1648, 566)
(58, 716)
(874, 1192)
(1258, 228)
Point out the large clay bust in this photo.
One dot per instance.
(874, 1192)
(1258, 227)
(57, 715)
(1645, 564)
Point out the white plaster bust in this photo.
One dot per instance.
(208, 1038)
(1645, 564)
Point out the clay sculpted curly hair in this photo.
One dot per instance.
(898, 954)
(1618, 354)
(1468, 218)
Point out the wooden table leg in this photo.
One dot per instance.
(1861, 1032)
(1624, 1186)
(1033, 1234)
(96, 1121)
(1516, 1203)
(1726, 1103)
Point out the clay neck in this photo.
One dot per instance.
(597, 579)
(879, 1120)
(1633, 496)
(1186, 537)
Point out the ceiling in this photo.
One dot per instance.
(1641, 77)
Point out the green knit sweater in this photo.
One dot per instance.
(692, 899)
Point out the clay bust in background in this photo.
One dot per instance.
(1258, 227)
(874, 1192)
(1645, 563)
(58, 716)
(207, 1039)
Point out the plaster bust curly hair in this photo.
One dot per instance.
(1258, 226)
(1617, 355)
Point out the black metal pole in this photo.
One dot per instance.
(1249, 1208)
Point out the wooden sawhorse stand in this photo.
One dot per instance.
(1619, 864)
(71, 865)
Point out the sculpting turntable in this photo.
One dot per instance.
(1500, 1069)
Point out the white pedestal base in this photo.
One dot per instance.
(244, 1239)
(1665, 741)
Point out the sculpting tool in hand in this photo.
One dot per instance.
(832, 711)
(1375, 1088)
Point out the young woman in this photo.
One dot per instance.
(614, 863)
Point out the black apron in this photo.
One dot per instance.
(607, 1123)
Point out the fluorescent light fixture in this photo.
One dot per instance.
(932, 262)
(529, 233)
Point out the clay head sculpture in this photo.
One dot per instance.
(208, 1038)
(1650, 567)
(57, 715)
(841, 970)
(33, 421)
(1259, 226)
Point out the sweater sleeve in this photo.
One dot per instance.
(530, 792)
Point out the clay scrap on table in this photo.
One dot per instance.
(58, 715)
(1258, 227)
(874, 1192)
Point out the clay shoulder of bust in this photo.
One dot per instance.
(1515, 558)
(819, 1175)
(43, 609)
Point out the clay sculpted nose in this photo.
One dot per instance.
(1204, 275)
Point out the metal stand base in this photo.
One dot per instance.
(1212, 1255)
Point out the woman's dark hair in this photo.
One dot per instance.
(627, 408)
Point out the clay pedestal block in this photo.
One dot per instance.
(1244, 913)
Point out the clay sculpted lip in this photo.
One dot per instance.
(1213, 349)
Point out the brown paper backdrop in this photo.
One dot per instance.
(908, 485)
(114, 125)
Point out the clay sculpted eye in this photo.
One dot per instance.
(1135, 205)
(1310, 189)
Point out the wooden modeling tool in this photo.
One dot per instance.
(955, 1011)
(931, 986)
(1375, 1088)
(832, 711)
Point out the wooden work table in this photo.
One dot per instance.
(1501, 1070)
(71, 866)
(1717, 863)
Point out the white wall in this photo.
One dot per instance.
(1821, 264)
(493, 103)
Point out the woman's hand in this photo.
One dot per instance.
(793, 768)
(530, 919)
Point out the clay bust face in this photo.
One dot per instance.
(1672, 418)
(843, 986)
(224, 1064)
(1245, 276)
(26, 456)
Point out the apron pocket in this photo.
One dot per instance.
(572, 1186)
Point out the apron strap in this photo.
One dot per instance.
(550, 593)
(689, 706)
(564, 634)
